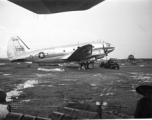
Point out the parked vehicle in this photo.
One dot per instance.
(111, 63)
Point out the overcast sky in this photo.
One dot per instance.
(127, 24)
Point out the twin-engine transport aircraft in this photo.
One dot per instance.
(84, 54)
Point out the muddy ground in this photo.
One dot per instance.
(38, 92)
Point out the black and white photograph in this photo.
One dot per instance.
(75, 59)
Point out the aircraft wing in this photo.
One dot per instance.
(84, 52)
(55, 6)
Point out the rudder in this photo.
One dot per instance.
(15, 48)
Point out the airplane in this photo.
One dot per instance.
(84, 54)
(55, 6)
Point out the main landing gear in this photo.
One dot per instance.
(86, 65)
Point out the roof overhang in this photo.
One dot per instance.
(56, 6)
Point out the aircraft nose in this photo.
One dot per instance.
(110, 50)
(112, 47)
(109, 46)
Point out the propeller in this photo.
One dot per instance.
(105, 50)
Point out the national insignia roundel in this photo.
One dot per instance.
(41, 55)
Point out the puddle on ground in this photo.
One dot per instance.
(17, 91)
(26, 100)
(70, 80)
(27, 84)
(135, 73)
(98, 103)
(118, 74)
(110, 83)
(52, 70)
(98, 74)
(63, 84)
(2, 64)
(13, 93)
(121, 81)
(47, 85)
(104, 105)
(6, 74)
(93, 85)
(142, 77)
(134, 86)
(45, 75)
(109, 94)
(133, 90)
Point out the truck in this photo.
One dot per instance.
(111, 64)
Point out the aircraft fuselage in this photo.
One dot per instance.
(59, 54)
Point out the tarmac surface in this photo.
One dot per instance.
(39, 90)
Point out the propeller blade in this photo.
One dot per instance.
(105, 50)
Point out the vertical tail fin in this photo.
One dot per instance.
(15, 48)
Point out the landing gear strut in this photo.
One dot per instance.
(86, 65)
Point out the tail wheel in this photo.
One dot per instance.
(28, 66)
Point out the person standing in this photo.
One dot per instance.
(144, 105)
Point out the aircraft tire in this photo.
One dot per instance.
(90, 65)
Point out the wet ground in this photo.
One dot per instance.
(40, 90)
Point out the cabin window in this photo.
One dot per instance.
(63, 50)
(73, 49)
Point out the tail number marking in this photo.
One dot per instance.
(19, 49)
